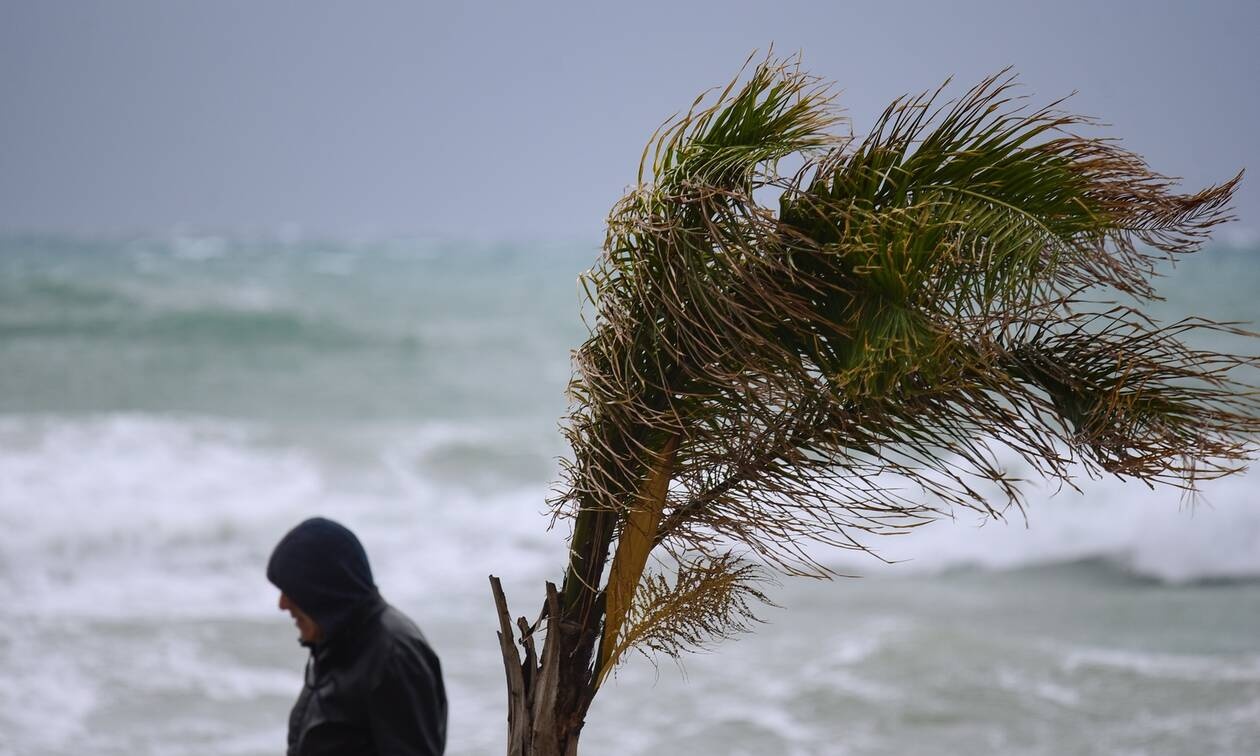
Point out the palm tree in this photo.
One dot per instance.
(853, 357)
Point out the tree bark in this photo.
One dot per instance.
(548, 693)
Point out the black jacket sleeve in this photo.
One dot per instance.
(407, 707)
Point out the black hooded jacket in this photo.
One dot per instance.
(373, 685)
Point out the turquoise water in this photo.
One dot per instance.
(170, 406)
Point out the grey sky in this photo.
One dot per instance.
(528, 118)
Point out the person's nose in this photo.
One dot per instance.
(283, 603)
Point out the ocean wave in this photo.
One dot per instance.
(136, 515)
(221, 329)
(219, 316)
(55, 293)
(46, 698)
(1149, 533)
(1164, 666)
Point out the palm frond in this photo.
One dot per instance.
(922, 304)
(707, 600)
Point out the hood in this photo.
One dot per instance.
(321, 566)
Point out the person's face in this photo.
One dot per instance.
(308, 630)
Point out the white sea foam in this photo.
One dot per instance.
(1164, 666)
(1155, 533)
(138, 516)
(44, 698)
(129, 515)
(1021, 683)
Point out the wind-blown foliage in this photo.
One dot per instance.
(961, 286)
(854, 361)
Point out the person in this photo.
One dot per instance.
(373, 685)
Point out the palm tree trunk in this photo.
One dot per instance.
(544, 718)
(549, 693)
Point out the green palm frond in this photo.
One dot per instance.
(779, 111)
(921, 304)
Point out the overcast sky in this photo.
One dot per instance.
(526, 119)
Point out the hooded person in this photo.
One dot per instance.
(373, 684)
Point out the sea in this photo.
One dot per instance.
(171, 404)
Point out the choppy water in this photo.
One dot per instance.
(169, 407)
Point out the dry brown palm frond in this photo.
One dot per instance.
(707, 600)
